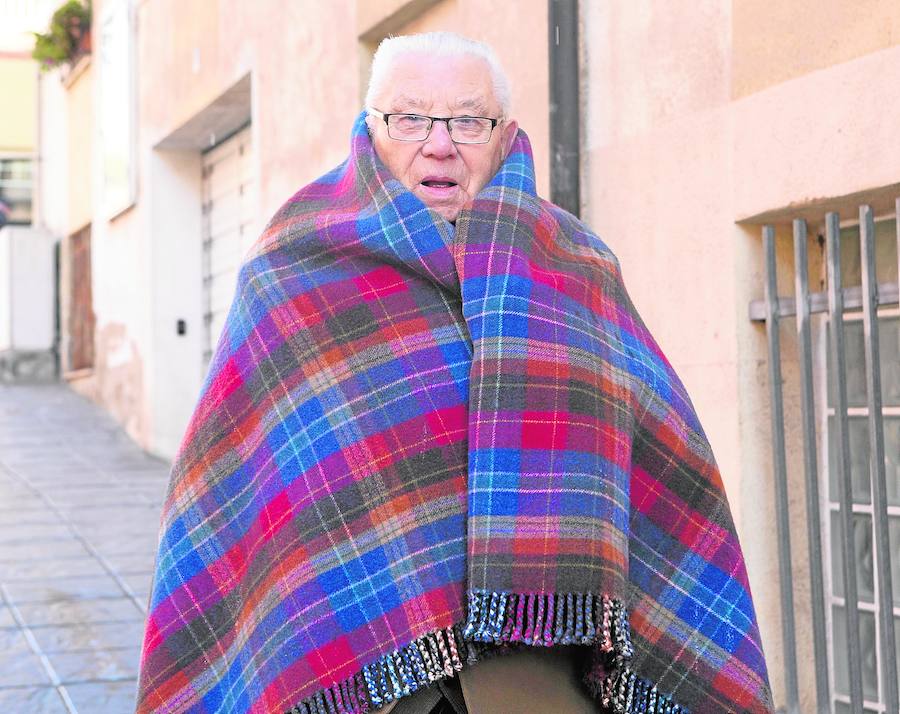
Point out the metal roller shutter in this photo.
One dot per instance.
(228, 213)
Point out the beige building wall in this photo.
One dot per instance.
(777, 42)
(52, 178)
(703, 122)
(18, 79)
(79, 88)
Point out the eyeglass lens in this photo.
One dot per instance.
(463, 130)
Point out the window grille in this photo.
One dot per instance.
(853, 489)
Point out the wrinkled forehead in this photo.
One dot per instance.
(428, 83)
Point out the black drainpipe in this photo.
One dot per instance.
(565, 113)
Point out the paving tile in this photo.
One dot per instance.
(72, 470)
(96, 636)
(51, 567)
(20, 426)
(57, 482)
(28, 516)
(70, 498)
(106, 697)
(27, 502)
(20, 669)
(34, 700)
(110, 461)
(141, 543)
(13, 493)
(31, 550)
(48, 590)
(139, 581)
(79, 611)
(132, 516)
(96, 664)
(118, 523)
(132, 562)
(30, 531)
(12, 639)
(38, 455)
(99, 482)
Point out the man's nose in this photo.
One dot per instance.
(439, 144)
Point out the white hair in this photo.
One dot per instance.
(442, 44)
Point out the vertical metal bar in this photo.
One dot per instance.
(779, 463)
(565, 109)
(811, 467)
(876, 459)
(839, 389)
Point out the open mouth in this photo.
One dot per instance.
(439, 183)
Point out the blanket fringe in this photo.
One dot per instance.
(545, 619)
(498, 618)
(347, 697)
(623, 692)
(433, 656)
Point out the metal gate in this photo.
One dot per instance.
(850, 441)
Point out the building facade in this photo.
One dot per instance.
(700, 124)
(27, 314)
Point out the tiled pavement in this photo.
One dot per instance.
(79, 513)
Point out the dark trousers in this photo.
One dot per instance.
(534, 679)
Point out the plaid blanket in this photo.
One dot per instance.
(419, 445)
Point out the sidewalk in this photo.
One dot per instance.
(79, 513)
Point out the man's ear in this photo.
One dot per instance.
(509, 136)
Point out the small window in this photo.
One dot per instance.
(15, 190)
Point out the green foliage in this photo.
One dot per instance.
(67, 38)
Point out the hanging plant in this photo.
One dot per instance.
(68, 37)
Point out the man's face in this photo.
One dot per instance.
(444, 175)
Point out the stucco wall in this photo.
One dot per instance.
(827, 134)
(18, 78)
(775, 42)
(659, 179)
(52, 176)
(301, 110)
(303, 60)
(303, 105)
(80, 161)
(701, 124)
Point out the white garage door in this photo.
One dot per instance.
(229, 190)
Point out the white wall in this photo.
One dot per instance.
(175, 369)
(26, 289)
(52, 170)
(5, 289)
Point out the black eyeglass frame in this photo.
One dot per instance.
(386, 116)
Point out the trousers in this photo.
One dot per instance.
(531, 680)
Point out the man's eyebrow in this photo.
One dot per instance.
(404, 103)
(476, 105)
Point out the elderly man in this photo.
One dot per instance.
(435, 431)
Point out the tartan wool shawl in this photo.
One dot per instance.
(422, 444)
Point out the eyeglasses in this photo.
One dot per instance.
(416, 127)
